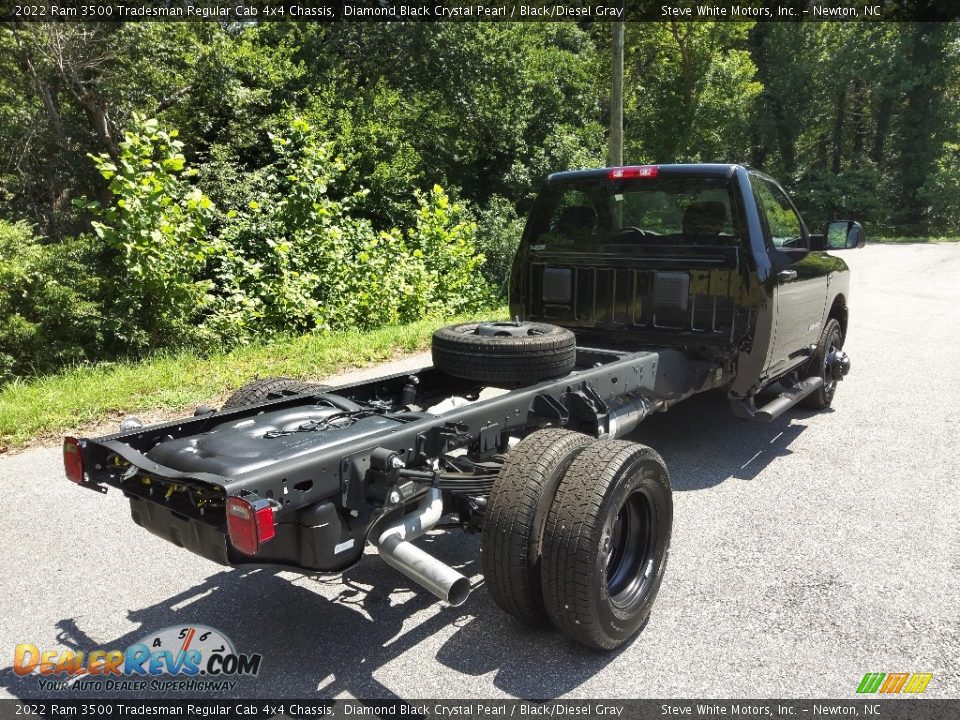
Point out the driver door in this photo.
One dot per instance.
(801, 281)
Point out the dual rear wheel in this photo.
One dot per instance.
(577, 534)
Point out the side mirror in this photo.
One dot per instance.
(844, 235)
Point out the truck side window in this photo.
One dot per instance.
(786, 232)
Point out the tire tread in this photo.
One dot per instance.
(572, 536)
(504, 361)
(514, 508)
(260, 391)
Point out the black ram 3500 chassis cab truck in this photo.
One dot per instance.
(633, 289)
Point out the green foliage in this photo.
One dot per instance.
(498, 235)
(691, 87)
(60, 402)
(49, 318)
(157, 223)
(482, 109)
(164, 270)
(861, 192)
(444, 242)
(372, 133)
(263, 224)
(860, 121)
(300, 257)
(940, 191)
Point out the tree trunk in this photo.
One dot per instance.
(70, 69)
(858, 117)
(685, 64)
(683, 133)
(43, 91)
(615, 149)
(919, 136)
(101, 122)
(838, 124)
(786, 139)
(881, 130)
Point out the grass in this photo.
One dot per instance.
(48, 406)
(901, 239)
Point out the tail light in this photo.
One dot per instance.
(73, 459)
(633, 171)
(249, 523)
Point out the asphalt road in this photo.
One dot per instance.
(805, 553)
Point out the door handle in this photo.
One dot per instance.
(785, 275)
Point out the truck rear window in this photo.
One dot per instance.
(688, 211)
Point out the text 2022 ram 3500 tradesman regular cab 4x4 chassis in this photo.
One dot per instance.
(633, 288)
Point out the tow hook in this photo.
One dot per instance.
(838, 365)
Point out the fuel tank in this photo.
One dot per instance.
(236, 447)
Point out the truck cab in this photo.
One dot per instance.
(713, 260)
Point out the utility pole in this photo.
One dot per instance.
(615, 146)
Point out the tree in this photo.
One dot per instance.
(690, 87)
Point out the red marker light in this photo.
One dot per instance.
(249, 524)
(633, 171)
(73, 459)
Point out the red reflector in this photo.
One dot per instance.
(633, 171)
(73, 459)
(249, 524)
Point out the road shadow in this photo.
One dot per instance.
(344, 640)
(324, 636)
(703, 443)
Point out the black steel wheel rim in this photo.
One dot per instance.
(829, 380)
(630, 556)
(507, 329)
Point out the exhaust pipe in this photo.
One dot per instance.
(399, 552)
(625, 417)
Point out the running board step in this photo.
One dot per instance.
(779, 405)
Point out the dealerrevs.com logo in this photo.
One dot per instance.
(191, 658)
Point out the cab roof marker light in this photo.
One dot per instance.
(633, 171)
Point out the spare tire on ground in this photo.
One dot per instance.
(504, 353)
(260, 391)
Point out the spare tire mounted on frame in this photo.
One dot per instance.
(504, 353)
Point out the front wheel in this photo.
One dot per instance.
(827, 362)
(606, 543)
